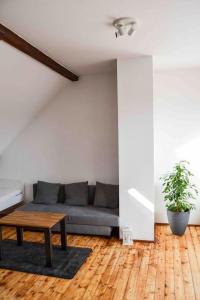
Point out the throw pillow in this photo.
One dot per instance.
(47, 193)
(76, 194)
(107, 195)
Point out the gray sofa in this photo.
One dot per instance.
(80, 219)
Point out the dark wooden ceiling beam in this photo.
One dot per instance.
(19, 43)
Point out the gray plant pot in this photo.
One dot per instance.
(178, 221)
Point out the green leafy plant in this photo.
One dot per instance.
(178, 188)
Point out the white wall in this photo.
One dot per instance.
(73, 138)
(177, 128)
(25, 87)
(136, 153)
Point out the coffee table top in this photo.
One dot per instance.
(32, 219)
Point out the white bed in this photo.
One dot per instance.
(11, 193)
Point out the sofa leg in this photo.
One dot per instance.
(115, 232)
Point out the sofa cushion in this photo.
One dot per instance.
(90, 215)
(47, 193)
(107, 195)
(82, 215)
(76, 193)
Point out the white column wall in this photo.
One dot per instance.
(136, 145)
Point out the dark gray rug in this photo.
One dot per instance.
(30, 258)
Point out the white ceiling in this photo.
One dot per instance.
(79, 34)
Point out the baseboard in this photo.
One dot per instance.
(144, 241)
(166, 224)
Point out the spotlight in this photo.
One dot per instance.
(131, 30)
(124, 26)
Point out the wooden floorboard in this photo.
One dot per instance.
(166, 269)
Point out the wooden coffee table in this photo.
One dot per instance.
(33, 220)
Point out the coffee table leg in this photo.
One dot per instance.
(0, 242)
(19, 236)
(48, 247)
(63, 235)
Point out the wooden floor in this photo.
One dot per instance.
(167, 269)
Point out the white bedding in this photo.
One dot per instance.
(11, 193)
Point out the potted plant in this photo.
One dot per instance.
(178, 191)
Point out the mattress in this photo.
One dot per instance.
(11, 193)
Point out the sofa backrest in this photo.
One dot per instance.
(61, 194)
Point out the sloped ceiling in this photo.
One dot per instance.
(25, 87)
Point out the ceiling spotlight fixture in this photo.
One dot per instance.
(125, 26)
